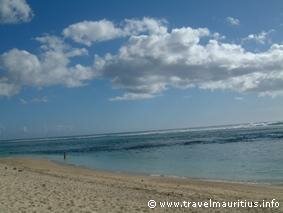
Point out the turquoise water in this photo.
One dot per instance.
(252, 153)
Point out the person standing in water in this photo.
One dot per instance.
(65, 155)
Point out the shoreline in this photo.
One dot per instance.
(29, 185)
(280, 184)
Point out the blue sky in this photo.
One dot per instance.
(82, 67)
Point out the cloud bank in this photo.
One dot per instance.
(153, 58)
(14, 11)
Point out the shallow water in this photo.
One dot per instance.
(251, 153)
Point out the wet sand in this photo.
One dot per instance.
(33, 185)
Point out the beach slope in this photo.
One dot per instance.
(29, 185)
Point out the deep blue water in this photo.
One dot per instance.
(239, 153)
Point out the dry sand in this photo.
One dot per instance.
(28, 185)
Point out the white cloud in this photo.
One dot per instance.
(42, 99)
(233, 21)
(153, 59)
(8, 89)
(272, 94)
(89, 32)
(132, 97)
(260, 38)
(14, 11)
(23, 101)
(52, 66)
(145, 25)
(150, 64)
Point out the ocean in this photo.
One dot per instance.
(244, 153)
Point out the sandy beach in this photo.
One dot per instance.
(29, 185)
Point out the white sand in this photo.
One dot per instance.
(28, 185)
